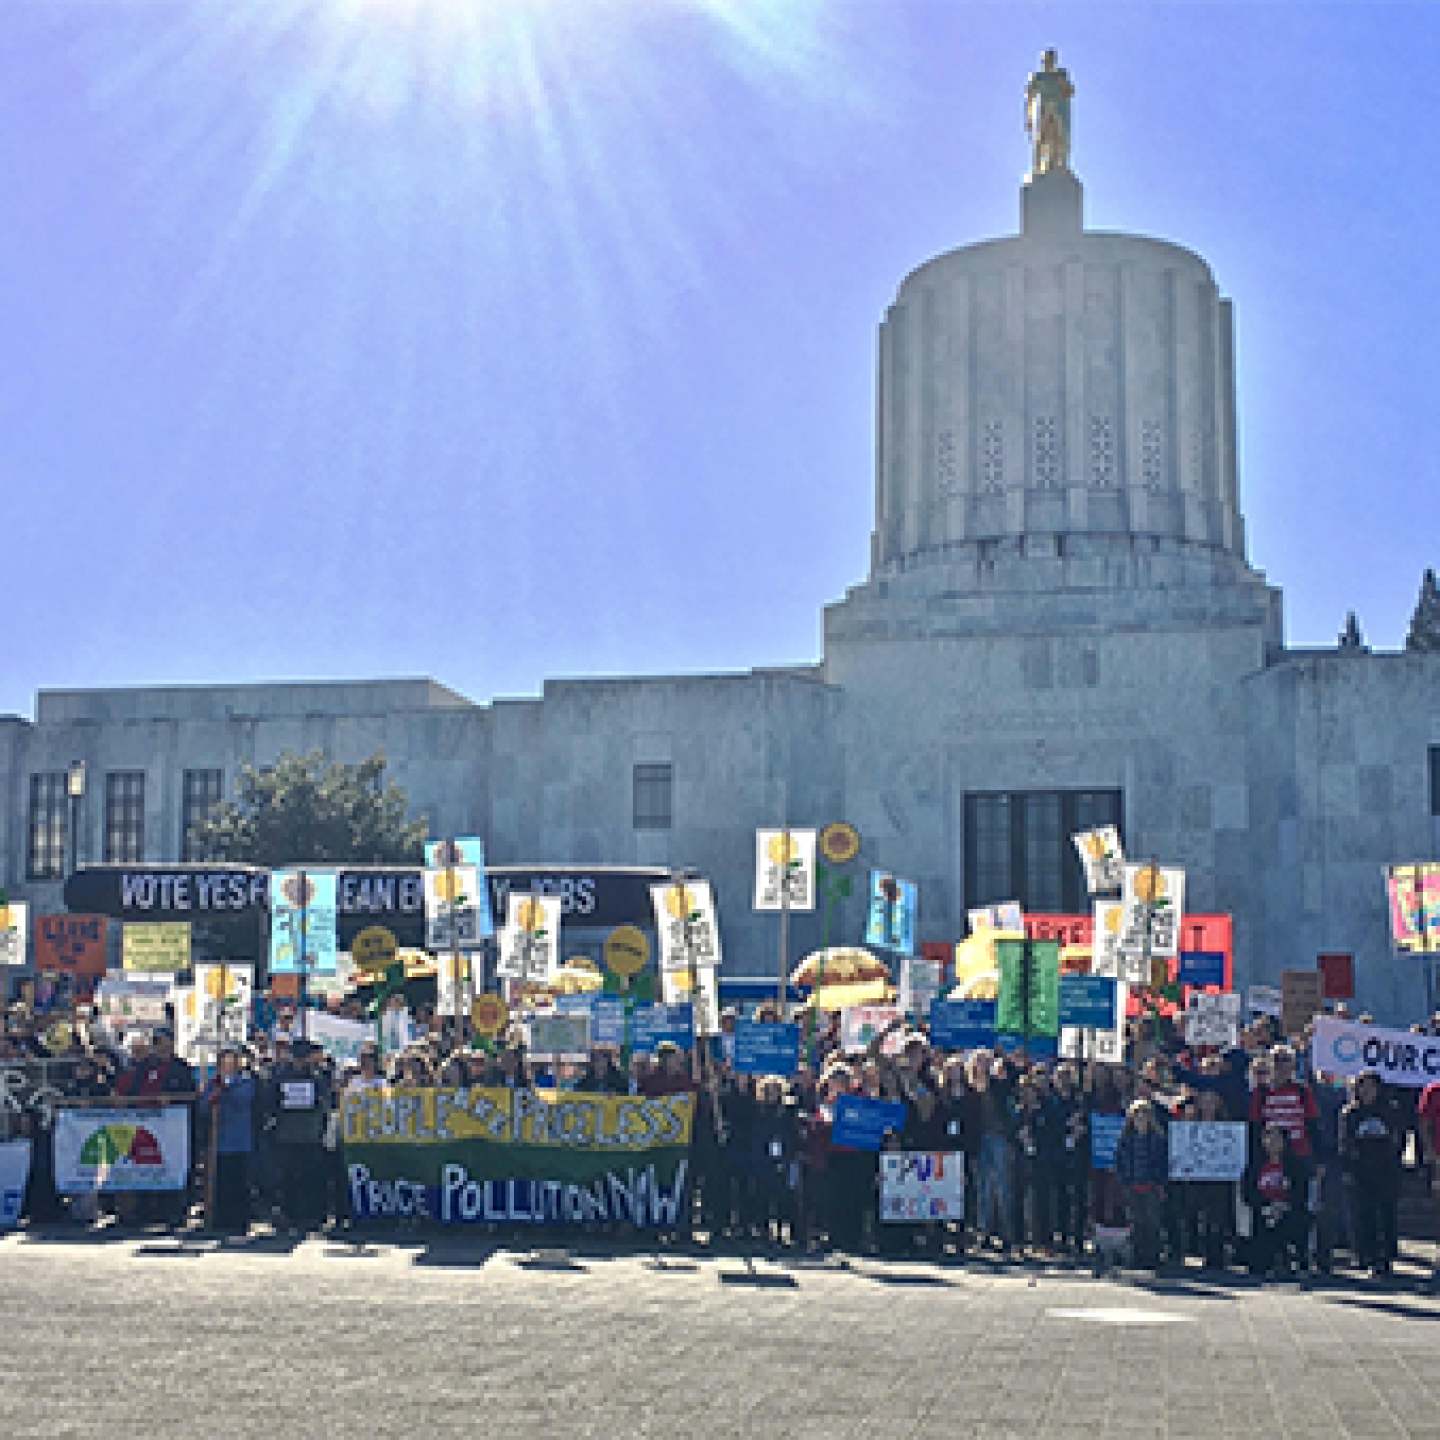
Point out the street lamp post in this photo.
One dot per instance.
(75, 790)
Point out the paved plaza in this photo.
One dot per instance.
(161, 1336)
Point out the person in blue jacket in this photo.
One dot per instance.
(231, 1098)
(1142, 1166)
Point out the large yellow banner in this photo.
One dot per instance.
(561, 1118)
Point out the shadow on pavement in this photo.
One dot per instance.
(442, 1255)
(552, 1260)
(274, 1244)
(759, 1279)
(1385, 1307)
(78, 1234)
(906, 1277)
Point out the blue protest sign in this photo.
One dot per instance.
(890, 919)
(303, 920)
(1041, 1047)
(962, 1024)
(1087, 1002)
(1104, 1140)
(766, 1048)
(652, 1025)
(860, 1124)
(1202, 967)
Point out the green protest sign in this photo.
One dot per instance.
(1028, 982)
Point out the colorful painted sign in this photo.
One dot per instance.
(112, 1149)
(917, 1186)
(533, 1157)
(303, 933)
(891, 916)
(75, 944)
(151, 948)
(1413, 893)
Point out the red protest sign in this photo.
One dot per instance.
(72, 943)
(1337, 975)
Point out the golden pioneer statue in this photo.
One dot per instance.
(1047, 116)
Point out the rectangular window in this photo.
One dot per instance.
(1435, 780)
(200, 795)
(1018, 846)
(125, 816)
(45, 857)
(654, 785)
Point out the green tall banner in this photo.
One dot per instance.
(1041, 985)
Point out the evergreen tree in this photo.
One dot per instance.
(301, 809)
(1425, 623)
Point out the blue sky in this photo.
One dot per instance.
(505, 339)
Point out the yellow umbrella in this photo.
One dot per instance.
(576, 977)
(842, 997)
(839, 965)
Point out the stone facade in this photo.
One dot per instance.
(1059, 600)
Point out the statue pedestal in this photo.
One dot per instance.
(1051, 206)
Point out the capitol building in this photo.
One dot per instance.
(1061, 626)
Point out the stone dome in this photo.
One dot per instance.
(1060, 393)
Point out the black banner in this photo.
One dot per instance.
(597, 897)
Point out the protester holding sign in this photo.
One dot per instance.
(1275, 1189)
(299, 1103)
(231, 1098)
(1142, 1166)
(1370, 1151)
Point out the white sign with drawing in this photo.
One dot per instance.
(1208, 1149)
(1213, 1020)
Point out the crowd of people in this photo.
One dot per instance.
(1320, 1187)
